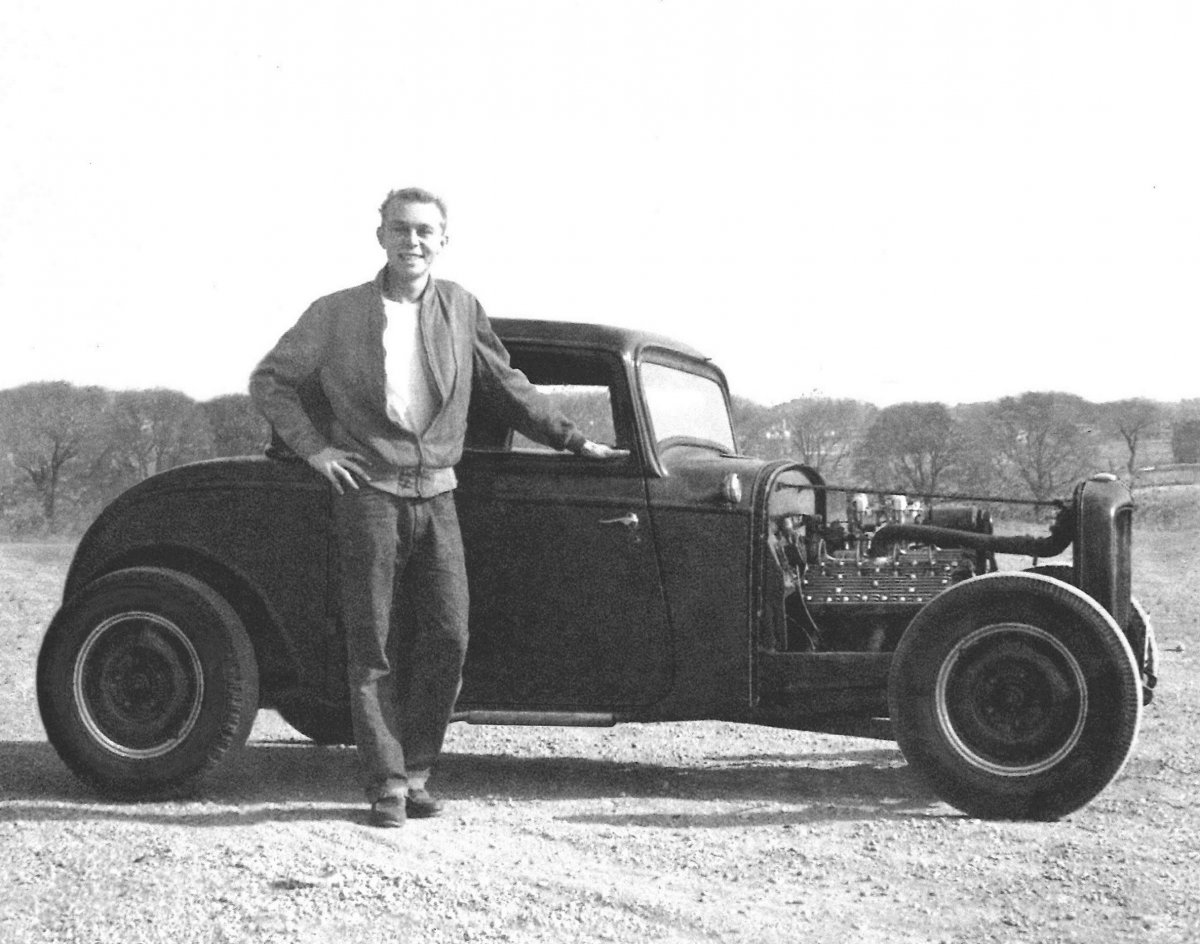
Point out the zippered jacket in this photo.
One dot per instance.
(337, 346)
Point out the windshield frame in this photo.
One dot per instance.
(705, 370)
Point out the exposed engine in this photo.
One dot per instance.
(845, 589)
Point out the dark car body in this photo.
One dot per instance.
(679, 581)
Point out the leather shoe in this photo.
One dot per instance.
(420, 805)
(388, 812)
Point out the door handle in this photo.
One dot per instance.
(629, 520)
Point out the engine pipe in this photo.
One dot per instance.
(941, 496)
(1055, 543)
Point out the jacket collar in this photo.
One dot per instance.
(380, 283)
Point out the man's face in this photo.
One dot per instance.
(412, 235)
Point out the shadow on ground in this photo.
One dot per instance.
(289, 780)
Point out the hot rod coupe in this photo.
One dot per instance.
(678, 581)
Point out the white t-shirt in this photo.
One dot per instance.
(408, 383)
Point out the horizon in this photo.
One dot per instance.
(1181, 403)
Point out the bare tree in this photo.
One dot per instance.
(911, 444)
(1132, 420)
(48, 431)
(1042, 442)
(980, 469)
(150, 431)
(760, 430)
(819, 431)
(824, 431)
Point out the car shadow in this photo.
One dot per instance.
(750, 790)
(281, 781)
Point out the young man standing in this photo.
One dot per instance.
(397, 359)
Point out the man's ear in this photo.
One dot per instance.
(379, 234)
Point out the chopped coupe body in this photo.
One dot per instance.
(680, 581)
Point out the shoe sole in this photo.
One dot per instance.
(391, 816)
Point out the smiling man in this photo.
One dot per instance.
(398, 360)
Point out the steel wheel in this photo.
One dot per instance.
(138, 684)
(1012, 699)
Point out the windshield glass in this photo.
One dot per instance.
(686, 408)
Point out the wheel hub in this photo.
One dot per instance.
(1011, 699)
(138, 684)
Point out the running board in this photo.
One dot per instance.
(579, 719)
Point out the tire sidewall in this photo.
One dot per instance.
(1140, 631)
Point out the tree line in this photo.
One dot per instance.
(66, 450)
(1035, 445)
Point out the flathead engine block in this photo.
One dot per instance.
(846, 588)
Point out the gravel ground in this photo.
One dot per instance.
(671, 832)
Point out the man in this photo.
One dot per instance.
(397, 359)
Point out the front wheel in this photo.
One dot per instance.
(145, 680)
(1015, 696)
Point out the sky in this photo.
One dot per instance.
(889, 201)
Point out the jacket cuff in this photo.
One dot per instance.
(575, 441)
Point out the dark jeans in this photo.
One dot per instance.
(404, 602)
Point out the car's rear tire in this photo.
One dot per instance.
(146, 680)
(1015, 696)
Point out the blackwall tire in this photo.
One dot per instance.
(320, 722)
(1015, 696)
(1063, 572)
(146, 679)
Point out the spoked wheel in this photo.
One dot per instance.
(146, 679)
(1015, 696)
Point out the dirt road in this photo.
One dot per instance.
(674, 832)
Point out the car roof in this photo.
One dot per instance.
(627, 342)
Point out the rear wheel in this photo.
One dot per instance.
(146, 679)
(1015, 696)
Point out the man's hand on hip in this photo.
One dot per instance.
(339, 467)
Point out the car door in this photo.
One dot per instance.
(567, 608)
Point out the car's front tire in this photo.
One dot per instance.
(1015, 696)
(146, 680)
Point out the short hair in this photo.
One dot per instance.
(415, 195)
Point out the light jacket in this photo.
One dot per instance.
(338, 345)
